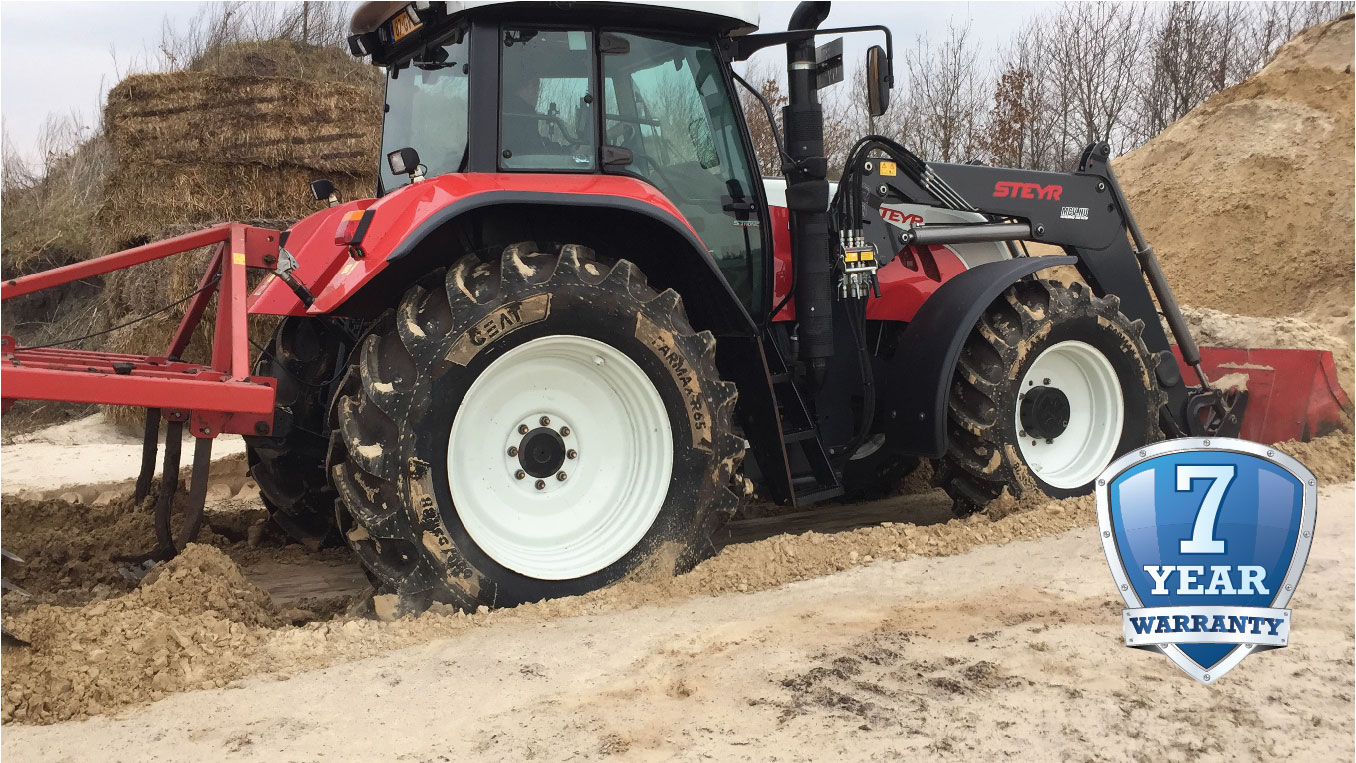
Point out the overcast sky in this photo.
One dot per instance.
(60, 57)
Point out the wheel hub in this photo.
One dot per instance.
(1044, 412)
(542, 452)
(1070, 414)
(541, 449)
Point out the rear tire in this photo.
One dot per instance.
(289, 463)
(1062, 363)
(553, 364)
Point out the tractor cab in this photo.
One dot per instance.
(616, 89)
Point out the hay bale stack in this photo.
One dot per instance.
(194, 148)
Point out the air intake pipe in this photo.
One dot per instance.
(807, 196)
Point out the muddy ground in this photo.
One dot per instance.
(1006, 650)
(806, 635)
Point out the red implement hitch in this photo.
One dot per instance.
(214, 398)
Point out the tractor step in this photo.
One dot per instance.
(813, 477)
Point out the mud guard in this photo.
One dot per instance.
(919, 375)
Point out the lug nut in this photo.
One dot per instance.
(572, 453)
(522, 429)
(562, 476)
(520, 474)
(546, 421)
(512, 451)
(541, 484)
(564, 431)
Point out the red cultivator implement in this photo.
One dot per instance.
(210, 399)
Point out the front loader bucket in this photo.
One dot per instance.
(1292, 394)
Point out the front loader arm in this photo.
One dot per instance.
(1086, 214)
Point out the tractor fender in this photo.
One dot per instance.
(423, 226)
(919, 375)
(654, 236)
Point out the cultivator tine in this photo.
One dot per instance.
(149, 446)
(166, 544)
(10, 556)
(197, 491)
(169, 484)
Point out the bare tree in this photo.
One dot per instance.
(761, 75)
(946, 99)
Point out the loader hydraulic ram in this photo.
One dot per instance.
(535, 360)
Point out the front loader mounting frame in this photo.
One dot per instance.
(210, 399)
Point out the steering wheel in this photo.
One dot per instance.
(561, 127)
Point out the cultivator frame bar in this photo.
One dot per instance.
(210, 399)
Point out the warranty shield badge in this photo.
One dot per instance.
(1206, 539)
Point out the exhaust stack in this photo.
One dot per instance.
(807, 196)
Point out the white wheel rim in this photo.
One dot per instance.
(615, 484)
(1096, 415)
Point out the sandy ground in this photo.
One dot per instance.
(894, 658)
(91, 452)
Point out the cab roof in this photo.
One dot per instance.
(730, 18)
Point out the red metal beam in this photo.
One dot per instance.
(15, 287)
(196, 308)
(181, 391)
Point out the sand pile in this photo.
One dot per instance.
(188, 626)
(1248, 198)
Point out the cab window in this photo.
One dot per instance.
(666, 102)
(546, 100)
(426, 110)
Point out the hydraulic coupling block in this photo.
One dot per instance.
(856, 267)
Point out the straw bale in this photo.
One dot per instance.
(192, 117)
(141, 202)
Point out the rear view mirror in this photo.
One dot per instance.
(878, 78)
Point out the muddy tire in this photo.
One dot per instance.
(289, 464)
(535, 427)
(1051, 386)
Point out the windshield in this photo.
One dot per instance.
(426, 111)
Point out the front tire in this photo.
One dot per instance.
(288, 464)
(533, 428)
(1051, 386)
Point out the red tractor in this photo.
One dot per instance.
(533, 362)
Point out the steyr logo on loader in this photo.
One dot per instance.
(899, 218)
(1009, 190)
(501, 321)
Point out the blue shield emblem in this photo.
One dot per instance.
(1206, 540)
